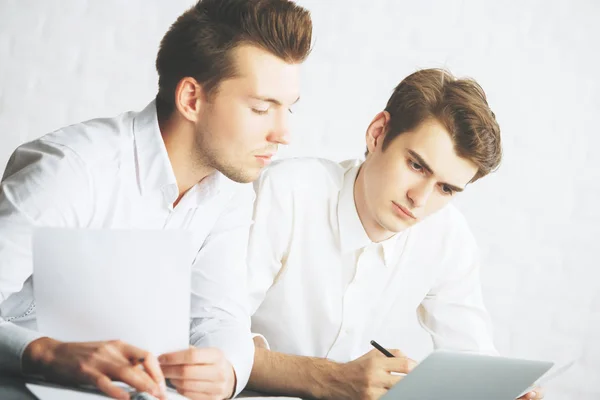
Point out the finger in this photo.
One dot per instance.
(376, 393)
(147, 359)
(387, 380)
(105, 385)
(153, 369)
(529, 396)
(193, 372)
(205, 387)
(193, 355)
(134, 377)
(399, 364)
(131, 352)
(540, 392)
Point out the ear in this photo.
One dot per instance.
(376, 131)
(189, 98)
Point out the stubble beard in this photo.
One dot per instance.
(206, 156)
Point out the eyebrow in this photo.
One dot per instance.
(424, 164)
(273, 101)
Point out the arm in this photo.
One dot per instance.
(368, 377)
(276, 372)
(290, 375)
(269, 237)
(273, 372)
(220, 319)
(42, 186)
(453, 312)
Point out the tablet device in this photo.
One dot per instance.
(448, 375)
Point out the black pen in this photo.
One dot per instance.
(381, 349)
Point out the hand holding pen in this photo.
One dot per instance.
(372, 375)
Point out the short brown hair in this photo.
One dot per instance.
(460, 105)
(200, 41)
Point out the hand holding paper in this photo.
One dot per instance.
(95, 363)
(95, 286)
(200, 373)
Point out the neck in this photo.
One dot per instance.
(368, 219)
(178, 136)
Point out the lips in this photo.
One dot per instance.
(265, 159)
(404, 210)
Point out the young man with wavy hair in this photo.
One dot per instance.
(341, 254)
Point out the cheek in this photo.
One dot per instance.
(389, 180)
(243, 130)
(436, 203)
(383, 187)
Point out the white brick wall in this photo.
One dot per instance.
(62, 61)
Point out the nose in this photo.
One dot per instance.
(419, 193)
(280, 133)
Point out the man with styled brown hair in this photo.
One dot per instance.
(342, 254)
(228, 74)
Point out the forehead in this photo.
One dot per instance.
(433, 143)
(260, 73)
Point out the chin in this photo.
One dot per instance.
(252, 174)
(243, 175)
(243, 178)
(396, 225)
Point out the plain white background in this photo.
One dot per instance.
(536, 219)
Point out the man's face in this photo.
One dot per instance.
(241, 127)
(417, 174)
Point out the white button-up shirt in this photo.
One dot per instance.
(115, 173)
(319, 287)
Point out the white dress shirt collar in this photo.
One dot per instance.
(153, 165)
(352, 233)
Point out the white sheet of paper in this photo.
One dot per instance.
(43, 392)
(53, 393)
(132, 285)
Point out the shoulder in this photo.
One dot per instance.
(298, 174)
(96, 138)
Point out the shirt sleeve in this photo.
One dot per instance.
(44, 184)
(453, 312)
(269, 237)
(219, 314)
